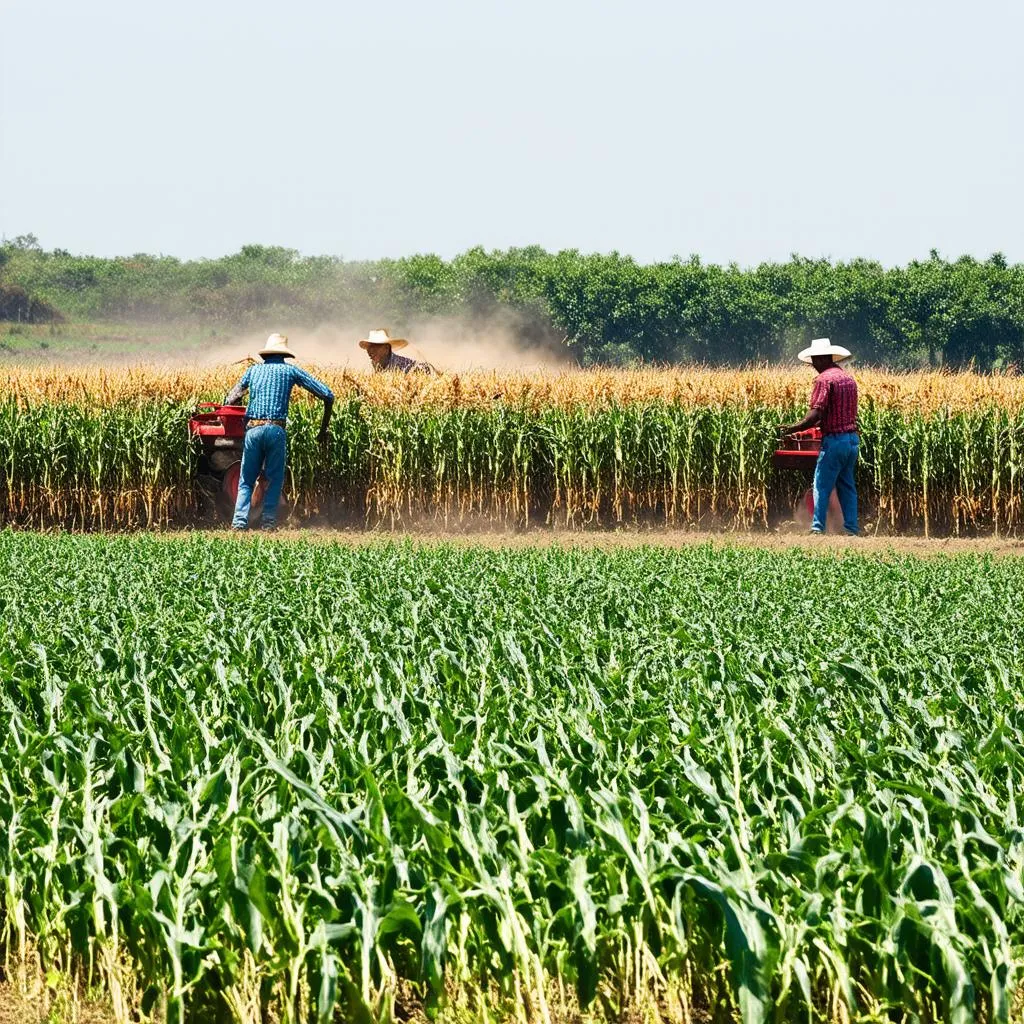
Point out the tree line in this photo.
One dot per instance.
(606, 308)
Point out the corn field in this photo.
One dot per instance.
(941, 453)
(253, 781)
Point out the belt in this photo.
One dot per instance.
(264, 423)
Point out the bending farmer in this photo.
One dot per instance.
(834, 409)
(270, 386)
(378, 347)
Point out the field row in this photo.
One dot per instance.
(304, 780)
(130, 463)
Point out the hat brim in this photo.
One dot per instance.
(837, 352)
(287, 353)
(393, 342)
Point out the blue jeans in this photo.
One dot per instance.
(265, 449)
(834, 471)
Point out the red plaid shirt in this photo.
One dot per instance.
(835, 394)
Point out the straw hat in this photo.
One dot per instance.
(380, 337)
(277, 345)
(824, 347)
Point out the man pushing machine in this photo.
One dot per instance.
(270, 386)
(834, 410)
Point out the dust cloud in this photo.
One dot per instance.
(448, 343)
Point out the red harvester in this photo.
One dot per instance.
(221, 431)
(800, 452)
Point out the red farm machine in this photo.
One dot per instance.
(220, 430)
(799, 451)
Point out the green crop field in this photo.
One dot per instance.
(262, 781)
(108, 449)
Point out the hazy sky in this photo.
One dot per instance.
(738, 131)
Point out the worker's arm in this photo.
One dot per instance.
(328, 407)
(323, 392)
(235, 394)
(812, 419)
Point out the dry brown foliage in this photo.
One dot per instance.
(689, 386)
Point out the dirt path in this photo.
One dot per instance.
(881, 546)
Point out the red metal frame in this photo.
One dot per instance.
(801, 451)
(214, 420)
(213, 423)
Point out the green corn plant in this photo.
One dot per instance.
(131, 464)
(519, 783)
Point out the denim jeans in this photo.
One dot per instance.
(265, 449)
(834, 470)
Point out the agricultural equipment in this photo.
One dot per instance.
(800, 452)
(221, 432)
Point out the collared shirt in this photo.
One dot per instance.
(270, 389)
(835, 396)
(403, 364)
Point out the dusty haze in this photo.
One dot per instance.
(449, 343)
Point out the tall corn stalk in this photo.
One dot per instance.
(101, 449)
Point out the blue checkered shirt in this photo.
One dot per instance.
(270, 389)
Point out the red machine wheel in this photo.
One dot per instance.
(229, 489)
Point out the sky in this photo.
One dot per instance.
(737, 131)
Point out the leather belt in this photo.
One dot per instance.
(265, 423)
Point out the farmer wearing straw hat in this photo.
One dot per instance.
(270, 386)
(834, 409)
(379, 346)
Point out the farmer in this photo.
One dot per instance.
(379, 347)
(270, 386)
(834, 409)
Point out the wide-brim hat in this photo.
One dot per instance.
(824, 347)
(380, 337)
(276, 345)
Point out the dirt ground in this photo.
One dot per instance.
(38, 1009)
(624, 539)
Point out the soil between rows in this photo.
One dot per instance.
(625, 539)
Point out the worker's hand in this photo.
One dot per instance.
(322, 438)
(786, 429)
